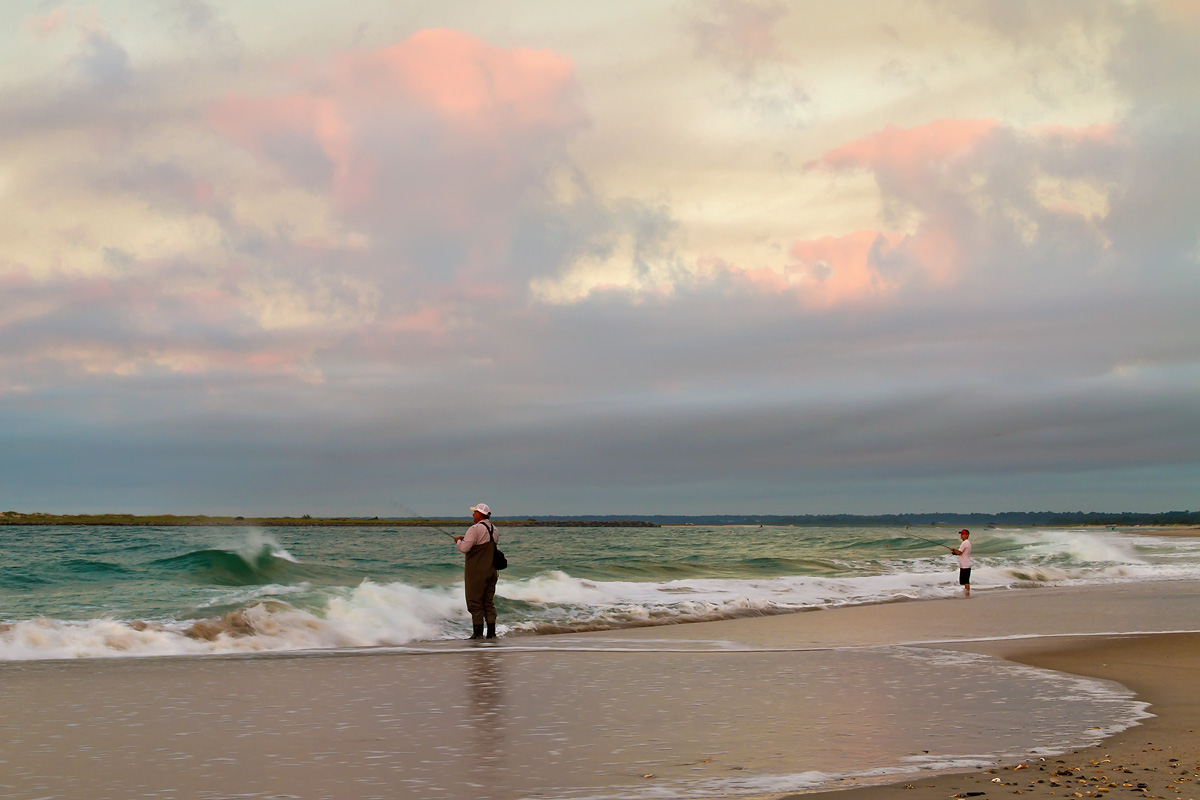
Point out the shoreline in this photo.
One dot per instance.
(1157, 758)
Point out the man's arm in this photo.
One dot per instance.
(469, 540)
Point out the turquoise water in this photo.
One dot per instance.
(122, 591)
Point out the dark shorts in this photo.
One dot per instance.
(964, 576)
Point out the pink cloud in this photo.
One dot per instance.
(936, 250)
(461, 76)
(1185, 10)
(270, 361)
(909, 151)
(970, 187)
(48, 25)
(429, 321)
(957, 179)
(202, 192)
(827, 271)
(374, 104)
(839, 269)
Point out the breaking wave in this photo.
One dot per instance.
(258, 561)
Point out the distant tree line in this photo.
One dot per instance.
(14, 518)
(1004, 518)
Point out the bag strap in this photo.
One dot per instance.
(491, 529)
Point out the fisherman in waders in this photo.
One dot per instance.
(479, 544)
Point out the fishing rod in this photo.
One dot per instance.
(415, 515)
(931, 541)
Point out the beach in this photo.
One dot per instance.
(1159, 758)
(669, 711)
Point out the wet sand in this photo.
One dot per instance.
(437, 724)
(1158, 759)
(1127, 633)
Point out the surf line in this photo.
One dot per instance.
(724, 647)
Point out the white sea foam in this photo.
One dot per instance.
(393, 613)
(1084, 547)
(369, 615)
(255, 542)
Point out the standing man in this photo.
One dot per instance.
(964, 562)
(479, 544)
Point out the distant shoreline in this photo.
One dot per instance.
(199, 520)
(1126, 523)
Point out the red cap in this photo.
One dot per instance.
(964, 530)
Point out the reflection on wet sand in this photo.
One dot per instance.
(487, 719)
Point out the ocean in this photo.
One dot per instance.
(791, 719)
(70, 592)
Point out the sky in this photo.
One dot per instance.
(632, 257)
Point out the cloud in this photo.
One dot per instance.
(741, 37)
(906, 155)
(828, 271)
(1030, 23)
(156, 319)
(438, 94)
(102, 62)
(47, 25)
(969, 206)
(435, 148)
(332, 273)
(738, 32)
(1187, 11)
(975, 206)
(99, 61)
(376, 204)
(977, 194)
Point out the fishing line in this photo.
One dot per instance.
(931, 541)
(415, 515)
(919, 538)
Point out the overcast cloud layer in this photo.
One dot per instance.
(632, 257)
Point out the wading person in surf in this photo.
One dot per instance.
(479, 545)
(963, 551)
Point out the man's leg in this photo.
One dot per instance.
(489, 605)
(474, 591)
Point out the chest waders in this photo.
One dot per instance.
(481, 579)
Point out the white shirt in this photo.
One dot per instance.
(964, 554)
(476, 534)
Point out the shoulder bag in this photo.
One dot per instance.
(498, 559)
